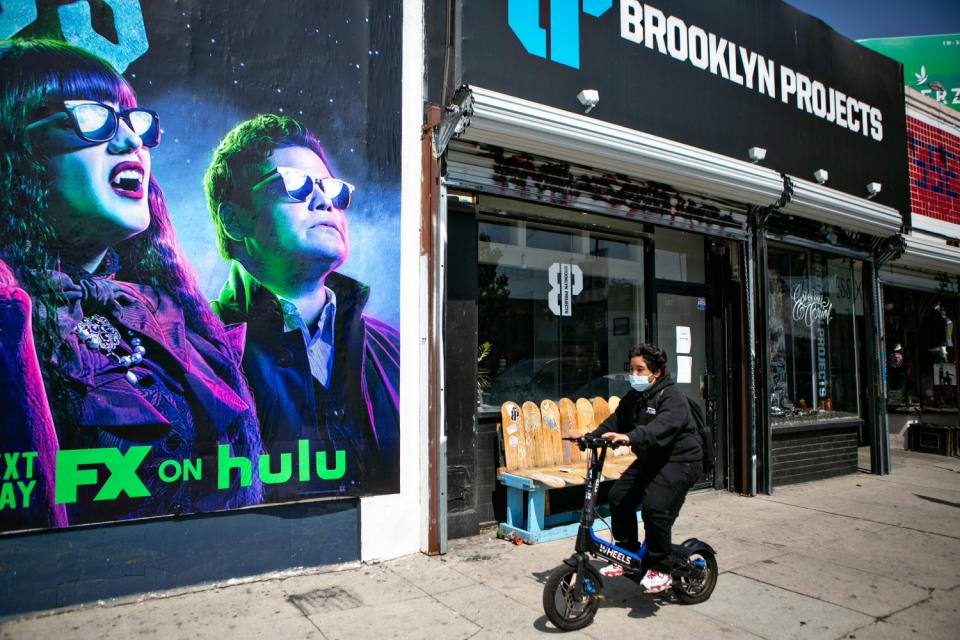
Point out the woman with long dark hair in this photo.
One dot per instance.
(129, 352)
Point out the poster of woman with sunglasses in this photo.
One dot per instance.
(125, 394)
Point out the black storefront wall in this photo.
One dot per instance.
(528, 49)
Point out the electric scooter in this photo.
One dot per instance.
(574, 590)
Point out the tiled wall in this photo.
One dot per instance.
(934, 171)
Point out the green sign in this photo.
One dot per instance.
(931, 64)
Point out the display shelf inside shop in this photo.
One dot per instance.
(918, 410)
(813, 421)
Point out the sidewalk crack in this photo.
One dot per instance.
(861, 518)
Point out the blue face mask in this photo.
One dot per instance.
(640, 383)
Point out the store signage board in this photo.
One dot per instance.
(724, 76)
(931, 64)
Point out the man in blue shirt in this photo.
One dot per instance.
(320, 370)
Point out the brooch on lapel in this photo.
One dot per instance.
(99, 335)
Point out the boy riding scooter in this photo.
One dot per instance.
(654, 419)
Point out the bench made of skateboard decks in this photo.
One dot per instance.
(536, 461)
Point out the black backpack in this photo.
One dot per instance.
(706, 437)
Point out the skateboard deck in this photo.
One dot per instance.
(568, 429)
(514, 438)
(585, 421)
(601, 410)
(550, 428)
(614, 402)
(531, 430)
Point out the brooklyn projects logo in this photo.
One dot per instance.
(523, 16)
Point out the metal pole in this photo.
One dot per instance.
(764, 428)
(750, 455)
(438, 332)
(430, 206)
(877, 396)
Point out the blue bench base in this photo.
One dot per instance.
(526, 519)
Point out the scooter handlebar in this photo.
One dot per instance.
(593, 442)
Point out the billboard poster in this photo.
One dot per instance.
(931, 64)
(198, 256)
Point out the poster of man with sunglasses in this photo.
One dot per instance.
(206, 345)
(321, 370)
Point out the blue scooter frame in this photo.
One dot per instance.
(573, 591)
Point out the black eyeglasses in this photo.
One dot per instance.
(96, 122)
(299, 186)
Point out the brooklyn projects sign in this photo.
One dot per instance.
(669, 35)
(724, 75)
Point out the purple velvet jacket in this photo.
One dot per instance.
(182, 406)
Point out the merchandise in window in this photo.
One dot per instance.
(921, 347)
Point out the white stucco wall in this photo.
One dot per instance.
(395, 525)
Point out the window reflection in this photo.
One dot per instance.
(815, 310)
(559, 307)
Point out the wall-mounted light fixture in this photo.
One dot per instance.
(756, 154)
(873, 188)
(821, 175)
(589, 98)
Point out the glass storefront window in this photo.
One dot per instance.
(921, 344)
(680, 256)
(815, 311)
(559, 308)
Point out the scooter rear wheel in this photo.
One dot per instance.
(696, 581)
(560, 603)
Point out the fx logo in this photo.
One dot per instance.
(523, 16)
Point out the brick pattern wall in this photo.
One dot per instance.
(934, 171)
(813, 455)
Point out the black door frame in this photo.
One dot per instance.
(716, 388)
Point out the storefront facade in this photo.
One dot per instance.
(921, 289)
(642, 173)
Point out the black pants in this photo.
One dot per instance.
(661, 492)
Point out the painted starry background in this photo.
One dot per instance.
(334, 65)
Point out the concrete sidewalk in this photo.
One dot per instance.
(860, 556)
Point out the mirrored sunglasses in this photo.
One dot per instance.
(299, 186)
(96, 122)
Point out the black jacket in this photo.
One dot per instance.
(360, 411)
(658, 423)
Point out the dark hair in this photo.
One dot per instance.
(36, 76)
(654, 356)
(238, 157)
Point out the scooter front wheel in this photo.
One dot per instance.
(563, 607)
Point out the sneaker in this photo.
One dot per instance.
(655, 581)
(611, 571)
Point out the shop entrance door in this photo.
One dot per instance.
(683, 330)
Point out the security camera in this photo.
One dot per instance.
(873, 188)
(821, 175)
(589, 98)
(454, 120)
(756, 154)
